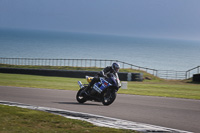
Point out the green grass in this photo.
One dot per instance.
(14, 119)
(163, 88)
(33, 81)
(176, 89)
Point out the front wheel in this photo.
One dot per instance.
(109, 97)
(80, 97)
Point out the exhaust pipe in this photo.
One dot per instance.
(80, 84)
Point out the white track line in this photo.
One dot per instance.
(99, 120)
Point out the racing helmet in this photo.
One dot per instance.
(116, 67)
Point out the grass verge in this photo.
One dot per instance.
(164, 88)
(15, 119)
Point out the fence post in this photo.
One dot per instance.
(186, 75)
(72, 62)
(29, 61)
(34, 61)
(38, 61)
(41, 62)
(157, 73)
(45, 62)
(189, 74)
(8, 61)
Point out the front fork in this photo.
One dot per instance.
(80, 84)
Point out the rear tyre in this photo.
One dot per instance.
(80, 96)
(109, 98)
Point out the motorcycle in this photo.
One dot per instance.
(104, 91)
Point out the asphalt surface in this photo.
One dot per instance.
(182, 114)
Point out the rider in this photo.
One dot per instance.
(104, 73)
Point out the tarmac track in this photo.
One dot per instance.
(182, 114)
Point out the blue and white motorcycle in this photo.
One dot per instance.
(104, 91)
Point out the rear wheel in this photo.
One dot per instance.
(80, 96)
(109, 97)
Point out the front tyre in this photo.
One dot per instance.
(109, 97)
(80, 97)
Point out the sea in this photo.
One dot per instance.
(155, 53)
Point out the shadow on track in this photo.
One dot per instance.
(76, 103)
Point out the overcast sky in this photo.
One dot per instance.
(151, 18)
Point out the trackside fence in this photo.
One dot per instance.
(171, 74)
(166, 74)
(195, 70)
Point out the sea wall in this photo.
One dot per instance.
(69, 73)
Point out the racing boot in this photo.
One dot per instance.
(87, 89)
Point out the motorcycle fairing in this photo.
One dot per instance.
(100, 86)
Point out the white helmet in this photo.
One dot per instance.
(116, 67)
